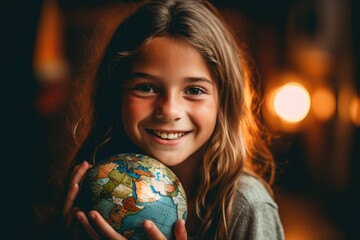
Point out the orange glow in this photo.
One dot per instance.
(292, 102)
(49, 59)
(355, 111)
(323, 103)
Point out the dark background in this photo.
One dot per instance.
(318, 181)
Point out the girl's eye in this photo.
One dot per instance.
(145, 88)
(194, 91)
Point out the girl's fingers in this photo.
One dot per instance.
(152, 231)
(81, 217)
(79, 172)
(180, 230)
(70, 198)
(74, 170)
(70, 217)
(77, 175)
(104, 228)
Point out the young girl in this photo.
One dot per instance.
(173, 85)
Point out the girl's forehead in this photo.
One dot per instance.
(169, 55)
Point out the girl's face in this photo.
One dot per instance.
(169, 103)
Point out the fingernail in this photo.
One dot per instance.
(75, 187)
(78, 217)
(92, 215)
(147, 224)
(181, 222)
(75, 209)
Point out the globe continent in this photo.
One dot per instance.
(128, 188)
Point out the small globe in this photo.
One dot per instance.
(128, 188)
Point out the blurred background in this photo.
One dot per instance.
(305, 53)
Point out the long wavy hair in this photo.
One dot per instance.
(238, 143)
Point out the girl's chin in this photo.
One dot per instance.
(169, 160)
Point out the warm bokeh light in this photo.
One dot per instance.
(292, 102)
(49, 57)
(323, 103)
(355, 111)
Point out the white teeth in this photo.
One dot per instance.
(170, 136)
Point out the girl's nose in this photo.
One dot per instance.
(169, 109)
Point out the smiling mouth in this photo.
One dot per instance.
(167, 135)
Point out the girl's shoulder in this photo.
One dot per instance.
(254, 213)
(250, 190)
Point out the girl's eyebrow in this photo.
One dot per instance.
(198, 79)
(143, 75)
(155, 78)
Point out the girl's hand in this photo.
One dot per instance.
(108, 232)
(75, 177)
(154, 233)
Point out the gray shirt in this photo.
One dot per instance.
(255, 214)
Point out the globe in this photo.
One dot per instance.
(128, 188)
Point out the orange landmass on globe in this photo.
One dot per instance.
(116, 216)
(129, 204)
(105, 169)
(143, 192)
(135, 158)
(142, 172)
(170, 188)
(119, 212)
